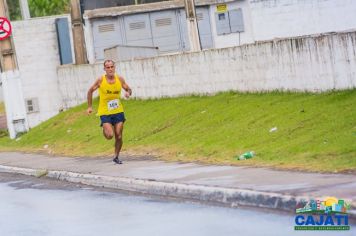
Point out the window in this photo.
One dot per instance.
(106, 28)
(137, 25)
(163, 22)
(229, 22)
(200, 16)
(222, 16)
(32, 105)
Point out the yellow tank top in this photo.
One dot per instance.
(109, 97)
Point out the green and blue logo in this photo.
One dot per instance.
(330, 214)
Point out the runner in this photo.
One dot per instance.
(110, 109)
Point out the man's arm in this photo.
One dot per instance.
(126, 87)
(91, 90)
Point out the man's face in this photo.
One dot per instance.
(109, 68)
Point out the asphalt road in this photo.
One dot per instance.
(41, 206)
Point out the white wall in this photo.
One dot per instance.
(289, 18)
(14, 103)
(298, 64)
(1, 94)
(74, 82)
(233, 39)
(38, 57)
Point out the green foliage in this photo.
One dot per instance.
(3, 133)
(14, 9)
(48, 7)
(315, 132)
(39, 8)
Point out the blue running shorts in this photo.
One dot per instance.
(112, 119)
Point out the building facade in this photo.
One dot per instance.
(221, 23)
(164, 25)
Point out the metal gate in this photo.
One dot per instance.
(64, 44)
(165, 31)
(183, 30)
(203, 18)
(106, 33)
(138, 30)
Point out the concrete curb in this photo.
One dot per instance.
(226, 196)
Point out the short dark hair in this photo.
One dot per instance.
(109, 60)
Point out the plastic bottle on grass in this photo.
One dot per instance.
(246, 155)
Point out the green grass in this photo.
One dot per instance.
(316, 132)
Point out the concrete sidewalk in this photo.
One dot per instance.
(228, 185)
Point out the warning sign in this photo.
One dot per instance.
(221, 8)
(5, 28)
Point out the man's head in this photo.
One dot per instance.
(109, 67)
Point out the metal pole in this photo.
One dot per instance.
(25, 11)
(8, 60)
(193, 30)
(11, 83)
(78, 33)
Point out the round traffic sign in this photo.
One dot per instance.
(5, 28)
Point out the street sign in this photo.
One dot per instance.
(221, 8)
(5, 28)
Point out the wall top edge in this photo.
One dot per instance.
(351, 32)
(42, 18)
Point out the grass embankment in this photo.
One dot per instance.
(315, 132)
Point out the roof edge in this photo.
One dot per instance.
(148, 7)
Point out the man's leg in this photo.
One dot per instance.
(118, 128)
(108, 131)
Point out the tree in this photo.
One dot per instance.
(48, 7)
(39, 8)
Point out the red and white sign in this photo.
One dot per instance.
(5, 28)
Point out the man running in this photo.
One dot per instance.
(110, 109)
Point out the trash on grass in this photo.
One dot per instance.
(246, 155)
(273, 129)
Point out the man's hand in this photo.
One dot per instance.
(89, 110)
(128, 93)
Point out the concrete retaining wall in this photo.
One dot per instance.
(318, 63)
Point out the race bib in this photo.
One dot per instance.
(113, 104)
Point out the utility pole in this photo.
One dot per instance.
(78, 33)
(11, 83)
(7, 56)
(193, 30)
(25, 11)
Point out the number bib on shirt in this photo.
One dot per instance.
(113, 104)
